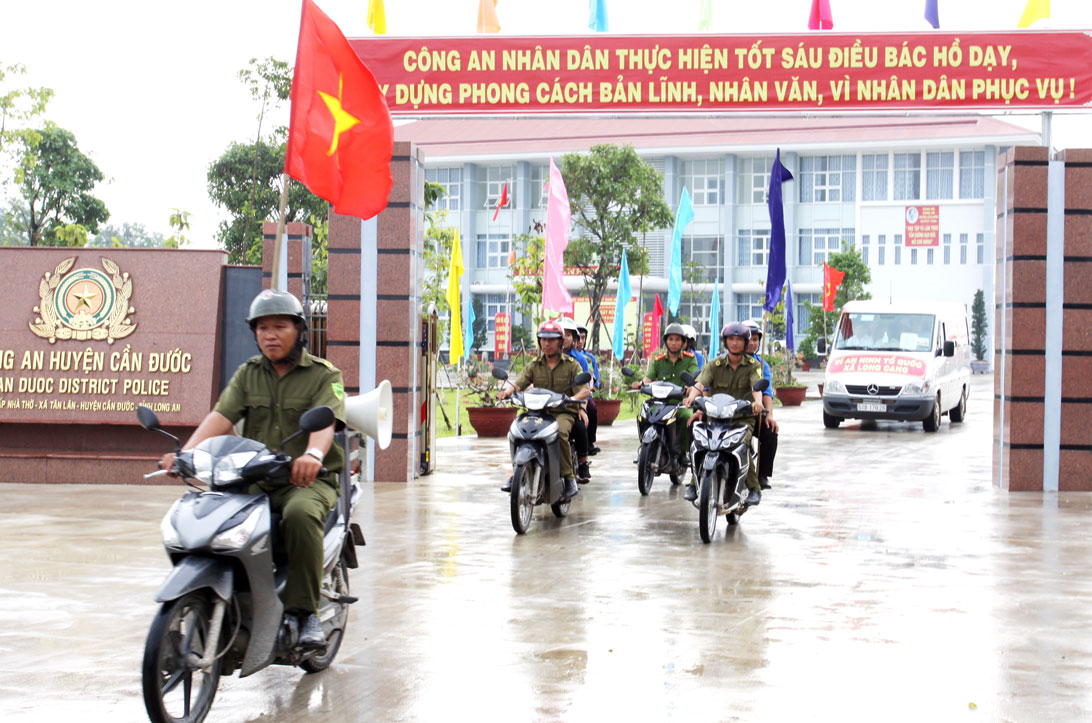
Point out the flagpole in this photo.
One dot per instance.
(512, 251)
(279, 278)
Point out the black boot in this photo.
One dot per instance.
(507, 486)
(311, 636)
(754, 498)
(690, 493)
(764, 483)
(571, 490)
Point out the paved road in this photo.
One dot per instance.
(883, 578)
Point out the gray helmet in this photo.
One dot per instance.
(754, 326)
(735, 328)
(274, 302)
(676, 329)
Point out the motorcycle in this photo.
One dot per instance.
(659, 451)
(720, 458)
(220, 608)
(535, 445)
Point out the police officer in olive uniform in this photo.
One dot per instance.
(668, 366)
(554, 371)
(734, 373)
(270, 392)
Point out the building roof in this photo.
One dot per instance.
(483, 139)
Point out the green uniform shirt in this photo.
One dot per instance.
(662, 369)
(718, 377)
(272, 405)
(538, 373)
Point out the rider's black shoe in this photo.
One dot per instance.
(754, 497)
(571, 490)
(594, 450)
(583, 473)
(690, 493)
(507, 486)
(311, 636)
(764, 483)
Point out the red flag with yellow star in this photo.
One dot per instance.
(340, 137)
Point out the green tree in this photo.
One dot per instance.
(614, 195)
(438, 242)
(55, 180)
(19, 108)
(478, 334)
(857, 276)
(130, 235)
(978, 326)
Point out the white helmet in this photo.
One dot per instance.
(691, 335)
(754, 326)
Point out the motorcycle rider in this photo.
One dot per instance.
(270, 392)
(667, 366)
(593, 408)
(554, 371)
(734, 373)
(588, 414)
(767, 433)
(692, 344)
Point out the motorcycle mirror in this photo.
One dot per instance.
(147, 418)
(627, 372)
(499, 374)
(315, 419)
(582, 378)
(761, 385)
(687, 378)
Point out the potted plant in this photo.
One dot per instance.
(788, 391)
(486, 417)
(978, 334)
(608, 397)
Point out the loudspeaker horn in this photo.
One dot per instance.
(372, 413)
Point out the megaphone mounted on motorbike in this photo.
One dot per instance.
(372, 414)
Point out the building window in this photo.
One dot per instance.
(874, 177)
(494, 304)
(705, 180)
(947, 249)
(540, 193)
(697, 311)
(816, 245)
(828, 179)
(754, 179)
(493, 182)
(898, 249)
(749, 306)
(972, 174)
(963, 248)
(452, 181)
(939, 172)
(492, 251)
(801, 318)
(980, 240)
(913, 257)
(864, 249)
(753, 247)
(929, 256)
(907, 176)
(881, 249)
(704, 253)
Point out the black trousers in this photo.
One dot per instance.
(593, 421)
(767, 450)
(580, 437)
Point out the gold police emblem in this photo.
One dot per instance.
(84, 303)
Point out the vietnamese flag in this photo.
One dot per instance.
(821, 17)
(340, 136)
(832, 279)
(503, 200)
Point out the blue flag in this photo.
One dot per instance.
(597, 15)
(683, 217)
(469, 336)
(714, 322)
(931, 13)
(775, 272)
(619, 337)
(788, 318)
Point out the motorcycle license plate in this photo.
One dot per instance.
(871, 407)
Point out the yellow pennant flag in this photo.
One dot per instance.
(455, 300)
(377, 17)
(487, 17)
(1034, 10)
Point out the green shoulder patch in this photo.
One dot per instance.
(338, 389)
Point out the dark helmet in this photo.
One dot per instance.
(735, 328)
(549, 329)
(274, 302)
(754, 326)
(677, 330)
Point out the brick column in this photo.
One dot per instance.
(394, 304)
(299, 256)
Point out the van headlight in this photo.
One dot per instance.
(234, 538)
(835, 386)
(915, 388)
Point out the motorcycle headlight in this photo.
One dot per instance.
(835, 386)
(661, 391)
(914, 388)
(535, 402)
(226, 471)
(235, 537)
(167, 530)
(700, 432)
(202, 466)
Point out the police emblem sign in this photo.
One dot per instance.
(84, 304)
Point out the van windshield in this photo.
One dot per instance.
(885, 332)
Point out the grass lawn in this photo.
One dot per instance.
(444, 429)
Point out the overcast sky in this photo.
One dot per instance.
(150, 87)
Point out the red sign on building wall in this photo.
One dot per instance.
(922, 225)
(652, 339)
(502, 334)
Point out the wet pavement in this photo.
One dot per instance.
(883, 578)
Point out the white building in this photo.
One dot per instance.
(855, 177)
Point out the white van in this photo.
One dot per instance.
(907, 361)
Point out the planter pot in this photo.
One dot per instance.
(980, 367)
(608, 410)
(791, 396)
(491, 421)
(805, 366)
(820, 390)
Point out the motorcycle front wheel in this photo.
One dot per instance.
(707, 522)
(644, 474)
(340, 585)
(173, 691)
(522, 496)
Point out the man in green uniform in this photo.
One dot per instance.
(270, 392)
(554, 371)
(668, 366)
(733, 373)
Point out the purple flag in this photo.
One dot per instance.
(775, 271)
(931, 13)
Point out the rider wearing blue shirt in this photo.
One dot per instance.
(767, 435)
(588, 420)
(692, 344)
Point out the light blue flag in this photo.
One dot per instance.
(683, 217)
(597, 15)
(788, 317)
(469, 336)
(714, 323)
(619, 336)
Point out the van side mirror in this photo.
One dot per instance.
(949, 348)
(821, 346)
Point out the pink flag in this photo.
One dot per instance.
(555, 297)
(821, 17)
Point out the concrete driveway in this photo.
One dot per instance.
(883, 578)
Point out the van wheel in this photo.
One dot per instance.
(830, 421)
(932, 422)
(959, 412)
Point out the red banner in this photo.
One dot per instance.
(922, 225)
(717, 73)
(877, 364)
(652, 339)
(502, 335)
